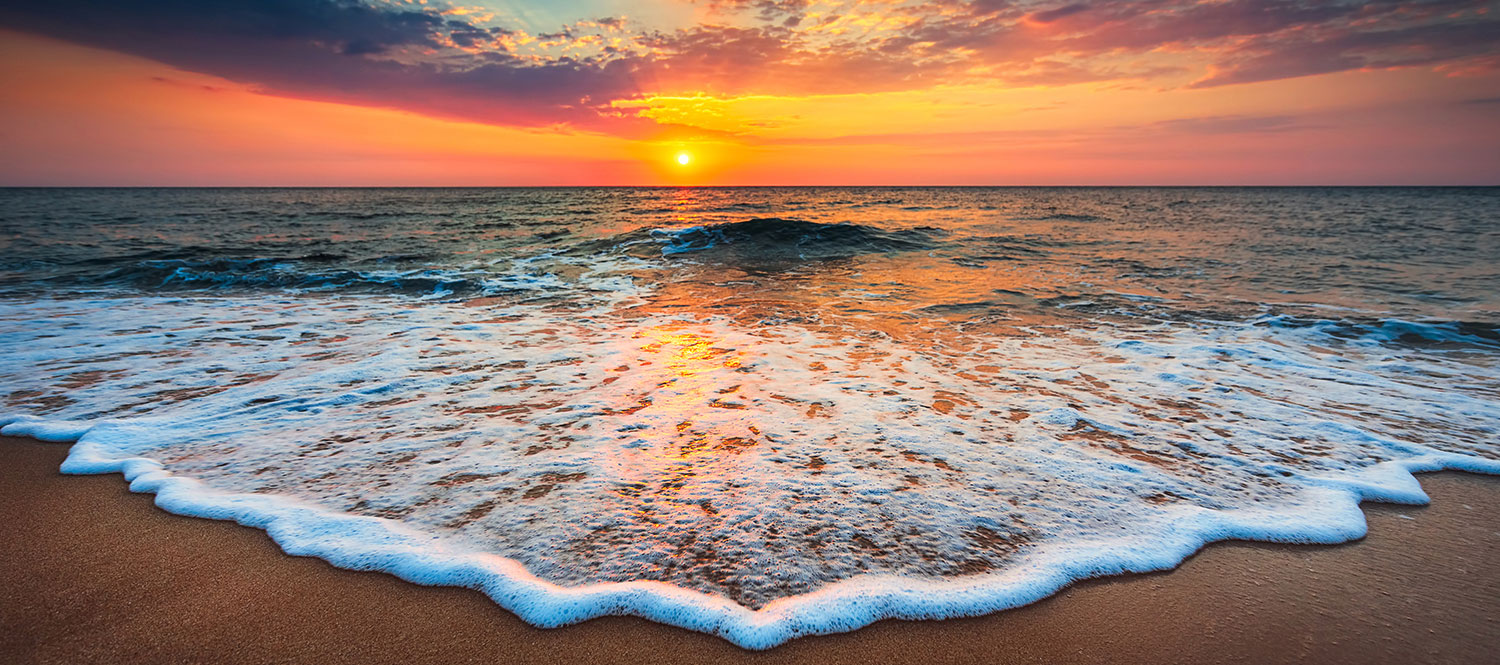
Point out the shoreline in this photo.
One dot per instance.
(96, 573)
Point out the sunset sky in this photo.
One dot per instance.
(575, 92)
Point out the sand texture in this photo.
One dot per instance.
(90, 573)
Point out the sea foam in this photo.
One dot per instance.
(755, 482)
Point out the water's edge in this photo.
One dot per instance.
(383, 545)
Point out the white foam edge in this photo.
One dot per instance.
(1329, 514)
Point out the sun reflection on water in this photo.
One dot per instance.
(685, 461)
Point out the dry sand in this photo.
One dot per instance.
(90, 573)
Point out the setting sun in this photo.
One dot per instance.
(683, 158)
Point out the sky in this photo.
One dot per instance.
(748, 92)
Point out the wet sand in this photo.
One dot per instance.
(90, 573)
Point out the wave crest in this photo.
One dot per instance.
(268, 273)
(774, 239)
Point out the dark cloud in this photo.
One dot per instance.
(1061, 12)
(339, 50)
(1338, 50)
(786, 13)
(338, 25)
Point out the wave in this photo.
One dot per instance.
(1394, 331)
(282, 274)
(769, 239)
(759, 241)
(312, 273)
(1065, 217)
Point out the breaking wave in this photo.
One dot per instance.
(774, 239)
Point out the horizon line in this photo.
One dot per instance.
(791, 186)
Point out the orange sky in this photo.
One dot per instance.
(1085, 106)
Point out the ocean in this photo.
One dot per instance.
(758, 412)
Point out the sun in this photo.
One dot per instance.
(684, 159)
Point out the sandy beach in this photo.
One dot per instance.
(94, 574)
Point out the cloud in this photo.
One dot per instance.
(453, 63)
(1227, 125)
(338, 50)
(1059, 13)
(785, 13)
(1342, 49)
(1230, 124)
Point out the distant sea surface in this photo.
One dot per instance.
(759, 412)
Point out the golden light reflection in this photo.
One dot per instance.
(689, 355)
(695, 420)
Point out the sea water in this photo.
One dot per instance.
(760, 413)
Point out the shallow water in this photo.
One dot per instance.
(759, 412)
